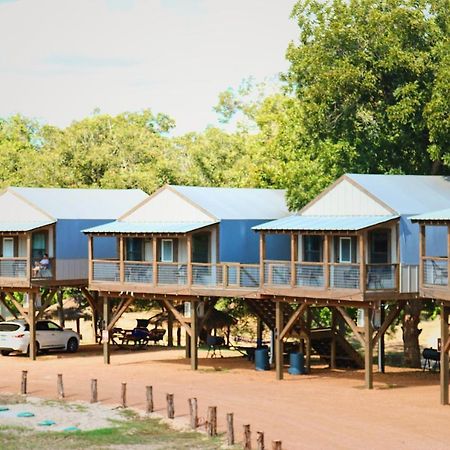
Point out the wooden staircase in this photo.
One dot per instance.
(321, 338)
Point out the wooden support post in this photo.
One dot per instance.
(259, 332)
(94, 392)
(326, 261)
(149, 399)
(308, 342)
(23, 383)
(29, 261)
(262, 256)
(444, 354)
(211, 423)
(60, 386)
(194, 337)
(276, 445)
(279, 341)
(121, 259)
(105, 332)
(422, 251)
(189, 260)
(247, 438)
(155, 260)
(362, 262)
(90, 258)
(179, 336)
(61, 308)
(448, 254)
(170, 406)
(333, 339)
(169, 329)
(193, 413)
(123, 395)
(260, 440)
(368, 348)
(32, 324)
(230, 429)
(293, 259)
(187, 338)
(381, 353)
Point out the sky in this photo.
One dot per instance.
(62, 59)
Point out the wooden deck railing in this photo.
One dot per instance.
(435, 271)
(13, 268)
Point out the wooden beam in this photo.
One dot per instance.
(279, 340)
(90, 257)
(444, 378)
(3, 302)
(178, 316)
(295, 316)
(262, 256)
(351, 324)
(123, 307)
(32, 325)
(121, 260)
(393, 314)
(90, 298)
(194, 336)
(446, 347)
(326, 260)
(293, 260)
(155, 260)
(106, 345)
(368, 349)
(333, 339)
(422, 250)
(47, 301)
(19, 307)
(362, 261)
(448, 255)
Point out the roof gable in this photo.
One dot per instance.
(167, 205)
(346, 198)
(15, 208)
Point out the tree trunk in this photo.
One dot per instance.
(411, 334)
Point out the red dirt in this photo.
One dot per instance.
(327, 409)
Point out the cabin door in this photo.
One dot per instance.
(380, 251)
(201, 244)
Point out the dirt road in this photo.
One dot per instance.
(327, 409)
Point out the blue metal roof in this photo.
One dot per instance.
(148, 227)
(323, 223)
(407, 194)
(82, 203)
(23, 226)
(441, 215)
(237, 203)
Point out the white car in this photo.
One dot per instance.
(15, 337)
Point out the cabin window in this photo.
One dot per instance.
(38, 245)
(200, 248)
(312, 248)
(8, 247)
(167, 250)
(379, 246)
(345, 250)
(134, 249)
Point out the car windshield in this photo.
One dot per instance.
(9, 327)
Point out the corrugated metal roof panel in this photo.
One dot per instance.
(82, 203)
(23, 226)
(148, 227)
(408, 194)
(237, 203)
(441, 215)
(323, 223)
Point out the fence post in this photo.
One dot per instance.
(23, 384)
(149, 396)
(193, 412)
(276, 445)
(247, 438)
(170, 406)
(60, 386)
(230, 429)
(260, 440)
(211, 424)
(124, 395)
(94, 396)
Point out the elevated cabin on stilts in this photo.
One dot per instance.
(42, 248)
(434, 281)
(186, 243)
(354, 245)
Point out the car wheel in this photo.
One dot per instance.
(72, 345)
(5, 352)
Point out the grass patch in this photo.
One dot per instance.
(151, 433)
(68, 406)
(12, 399)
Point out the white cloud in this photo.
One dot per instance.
(60, 59)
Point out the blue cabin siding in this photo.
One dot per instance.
(436, 241)
(71, 243)
(239, 243)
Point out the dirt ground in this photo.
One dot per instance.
(326, 409)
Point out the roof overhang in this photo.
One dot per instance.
(435, 217)
(143, 228)
(23, 227)
(323, 223)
